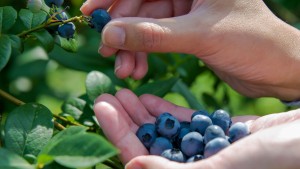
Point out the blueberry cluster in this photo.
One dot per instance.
(66, 30)
(205, 135)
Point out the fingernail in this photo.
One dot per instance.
(118, 63)
(100, 47)
(83, 6)
(114, 36)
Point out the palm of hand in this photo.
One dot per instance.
(122, 114)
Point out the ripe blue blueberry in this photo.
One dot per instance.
(174, 155)
(200, 112)
(177, 140)
(60, 17)
(199, 123)
(147, 134)
(167, 126)
(100, 18)
(56, 3)
(34, 5)
(67, 30)
(195, 158)
(238, 131)
(184, 124)
(213, 132)
(192, 144)
(214, 146)
(221, 118)
(159, 145)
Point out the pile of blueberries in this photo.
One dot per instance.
(99, 18)
(184, 141)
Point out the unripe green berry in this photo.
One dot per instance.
(34, 5)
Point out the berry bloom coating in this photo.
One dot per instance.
(213, 132)
(192, 144)
(195, 158)
(221, 118)
(57, 3)
(214, 146)
(200, 112)
(100, 18)
(174, 155)
(167, 126)
(159, 145)
(34, 5)
(67, 30)
(147, 134)
(238, 131)
(199, 123)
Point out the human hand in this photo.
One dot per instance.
(242, 41)
(274, 141)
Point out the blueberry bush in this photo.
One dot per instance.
(50, 74)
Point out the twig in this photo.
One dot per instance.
(67, 121)
(59, 126)
(11, 98)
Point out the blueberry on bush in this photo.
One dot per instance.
(238, 131)
(34, 5)
(147, 134)
(174, 155)
(159, 145)
(56, 3)
(100, 18)
(67, 30)
(167, 126)
(214, 146)
(192, 144)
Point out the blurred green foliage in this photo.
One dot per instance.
(50, 79)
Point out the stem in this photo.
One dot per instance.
(50, 24)
(59, 126)
(112, 164)
(11, 98)
(67, 121)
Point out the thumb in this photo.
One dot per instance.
(150, 35)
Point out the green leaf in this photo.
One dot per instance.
(10, 160)
(158, 88)
(181, 88)
(8, 16)
(16, 42)
(5, 50)
(97, 83)
(75, 148)
(30, 19)
(70, 45)
(28, 128)
(74, 107)
(45, 38)
(82, 150)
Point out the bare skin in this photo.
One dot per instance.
(243, 42)
(273, 144)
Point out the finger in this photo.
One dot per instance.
(90, 5)
(163, 9)
(125, 8)
(141, 65)
(156, 106)
(124, 64)
(118, 128)
(181, 7)
(134, 107)
(106, 51)
(152, 35)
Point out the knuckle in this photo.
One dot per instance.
(151, 35)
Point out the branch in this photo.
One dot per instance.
(11, 98)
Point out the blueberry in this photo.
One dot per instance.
(100, 18)
(34, 5)
(238, 131)
(67, 30)
(177, 140)
(167, 126)
(57, 3)
(213, 132)
(192, 144)
(214, 146)
(159, 145)
(60, 17)
(195, 158)
(200, 112)
(147, 134)
(174, 155)
(221, 118)
(199, 123)
(184, 124)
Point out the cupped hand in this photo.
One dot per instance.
(274, 141)
(242, 41)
